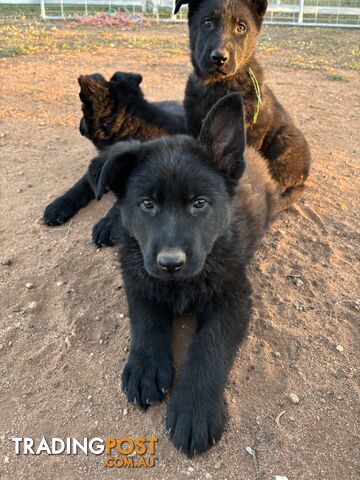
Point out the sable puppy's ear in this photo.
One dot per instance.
(89, 84)
(94, 89)
(111, 169)
(179, 4)
(259, 6)
(223, 136)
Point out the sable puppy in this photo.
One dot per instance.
(113, 110)
(117, 110)
(223, 36)
(189, 218)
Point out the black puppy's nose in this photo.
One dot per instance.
(219, 57)
(171, 260)
(82, 127)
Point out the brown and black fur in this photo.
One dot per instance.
(114, 110)
(117, 110)
(230, 29)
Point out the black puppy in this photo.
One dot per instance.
(113, 110)
(190, 216)
(223, 36)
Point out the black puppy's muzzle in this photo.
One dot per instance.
(172, 260)
(219, 57)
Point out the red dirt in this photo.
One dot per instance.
(61, 358)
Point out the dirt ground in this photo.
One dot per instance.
(64, 340)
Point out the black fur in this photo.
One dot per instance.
(190, 216)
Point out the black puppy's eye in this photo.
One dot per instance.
(147, 204)
(208, 23)
(241, 28)
(199, 203)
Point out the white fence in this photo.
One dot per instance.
(340, 13)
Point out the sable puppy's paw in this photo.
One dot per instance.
(59, 211)
(194, 422)
(102, 233)
(146, 378)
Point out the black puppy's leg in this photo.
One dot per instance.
(63, 208)
(195, 413)
(148, 372)
(104, 234)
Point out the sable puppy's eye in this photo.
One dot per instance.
(241, 27)
(199, 203)
(208, 23)
(147, 204)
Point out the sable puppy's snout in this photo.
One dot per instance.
(220, 56)
(171, 260)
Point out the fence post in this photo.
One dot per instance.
(42, 6)
(301, 11)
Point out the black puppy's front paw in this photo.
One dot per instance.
(59, 211)
(102, 233)
(146, 378)
(193, 421)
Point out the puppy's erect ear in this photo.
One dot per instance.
(127, 76)
(259, 6)
(223, 136)
(89, 84)
(94, 89)
(111, 169)
(179, 4)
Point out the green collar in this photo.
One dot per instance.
(257, 92)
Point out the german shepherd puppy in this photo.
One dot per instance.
(223, 36)
(190, 216)
(113, 111)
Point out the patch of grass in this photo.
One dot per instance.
(14, 51)
(336, 78)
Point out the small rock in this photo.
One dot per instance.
(294, 398)
(125, 411)
(297, 282)
(91, 355)
(208, 475)
(125, 349)
(67, 342)
(292, 419)
(280, 477)
(32, 305)
(101, 341)
(60, 283)
(10, 343)
(191, 470)
(121, 315)
(1, 346)
(29, 285)
(97, 318)
(6, 460)
(277, 354)
(89, 397)
(6, 261)
(339, 348)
